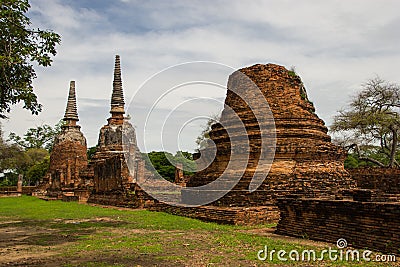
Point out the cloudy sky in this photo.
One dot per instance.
(335, 46)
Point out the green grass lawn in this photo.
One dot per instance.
(56, 233)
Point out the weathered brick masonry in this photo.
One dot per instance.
(68, 156)
(113, 182)
(305, 162)
(224, 215)
(372, 225)
(384, 179)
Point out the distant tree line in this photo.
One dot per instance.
(28, 155)
(164, 163)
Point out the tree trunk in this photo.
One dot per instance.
(355, 146)
(372, 161)
(394, 146)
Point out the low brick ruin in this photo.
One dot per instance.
(364, 224)
(367, 217)
(16, 191)
(224, 215)
(386, 180)
(13, 190)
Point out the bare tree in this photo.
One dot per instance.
(373, 119)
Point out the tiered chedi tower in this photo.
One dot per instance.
(116, 145)
(305, 162)
(68, 156)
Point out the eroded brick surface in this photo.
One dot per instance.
(305, 162)
(363, 224)
(68, 158)
(117, 163)
(384, 179)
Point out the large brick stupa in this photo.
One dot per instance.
(304, 161)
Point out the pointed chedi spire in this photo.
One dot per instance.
(71, 114)
(117, 98)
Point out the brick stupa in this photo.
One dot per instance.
(116, 146)
(68, 156)
(305, 162)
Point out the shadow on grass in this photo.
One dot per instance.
(121, 259)
(49, 232)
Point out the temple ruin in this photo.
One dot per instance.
(68, 155)
(117, 146)
(305, 161)
(106, 179)
(304, 186)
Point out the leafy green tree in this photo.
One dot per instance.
(6, 152)
(12, 161)
(20, 48)
(372, 123)
(158, 161)
(39, 137)
(164, 163)
(90, 152)
(37, 171)
(10, 154)
(353, 160)
(27, 156)
(201, 140)
(32, 163)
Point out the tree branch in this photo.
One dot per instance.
(394, 146)
(355, 146)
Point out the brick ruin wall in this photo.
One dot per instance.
(26, 190)
(113, 182)
(135, 197)
(108, 173)
(372, 225)
(67, 159)
(224, 215)
(383, 179)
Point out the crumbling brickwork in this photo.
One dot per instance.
(384, 179)
(305, 160)
(117, 149)
(26, 190)
(68, 156)
(112, 174)
(224, 215)
(372, 225)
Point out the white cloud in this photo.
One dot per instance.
(334, 45)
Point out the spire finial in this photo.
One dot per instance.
(117, 98)
(71, 113)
